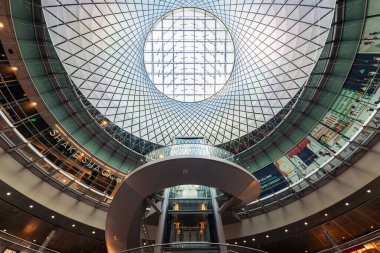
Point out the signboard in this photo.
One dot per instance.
(271, 180)
(68, 150)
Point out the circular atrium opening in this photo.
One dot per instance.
(189, 54)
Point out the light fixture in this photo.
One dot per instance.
(235, 243)
(267, 236)
(253, 239)
(286, 231)
(33, 103)
(4, 230)
(93, 232)
(372, 227)
(52, 216)
(14, 68)
(343, 237)
(9, 194)
(104, 123)
(1, 25)
(31, 206)
(326, 214)
(347, 204)
(34, 240)
(369, 191)
(305, 223)
(73, 225)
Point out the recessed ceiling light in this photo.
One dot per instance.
(253, 239)
(4, 230)
(347, 204)
(73, 225)
(372, 227)
(14, 68)
(369, 191)
(267, 236)
(305, 223)
(9, 194)
(52, 216)
(343, 237)
(326, 214)
(286, 230)
(34, 240)
(31, 206)
(305, 251)
(244, 241)
(235, 243)
(104, 123)
(93, 232)
(1, 25)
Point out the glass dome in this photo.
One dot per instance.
(276, 45)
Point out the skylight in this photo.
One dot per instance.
(189, 54)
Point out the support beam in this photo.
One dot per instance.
(226, 204)
(152, 204)
(218, 221)
(162, 221)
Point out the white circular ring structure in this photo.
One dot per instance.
(276, 43)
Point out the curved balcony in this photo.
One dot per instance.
(189, 150)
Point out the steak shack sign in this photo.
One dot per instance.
(78, 155)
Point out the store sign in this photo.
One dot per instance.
(271, 180)
(80, 157)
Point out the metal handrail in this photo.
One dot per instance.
(211, 244)
(374, 235)
(25, 244)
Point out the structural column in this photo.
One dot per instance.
(162, 221)
(218, 221)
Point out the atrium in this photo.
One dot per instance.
(189, 126)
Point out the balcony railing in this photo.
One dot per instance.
(194, 247)
(187, 150)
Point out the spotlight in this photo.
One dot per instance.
(104, 123)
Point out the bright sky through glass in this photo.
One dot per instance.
(189, 55)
